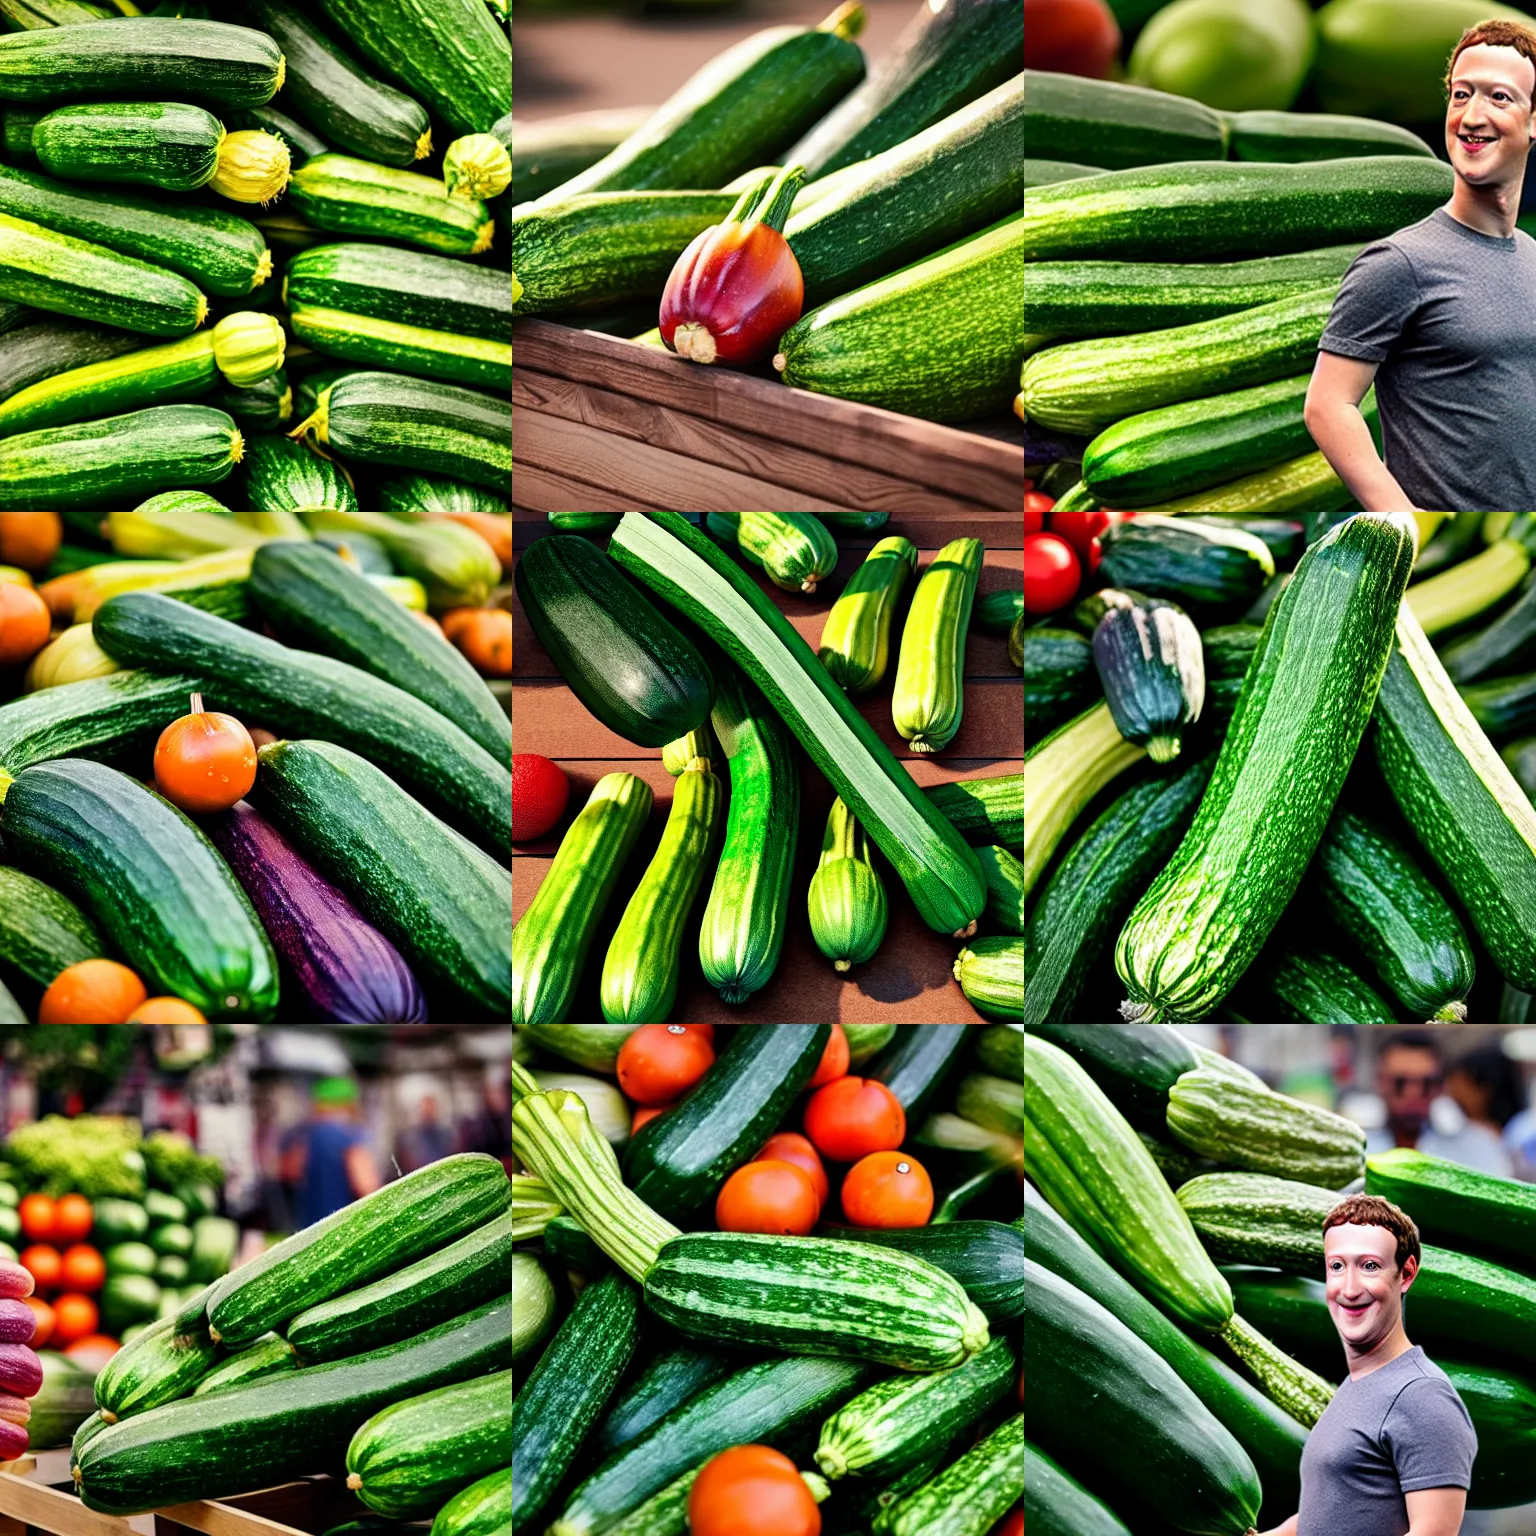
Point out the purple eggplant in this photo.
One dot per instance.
(349, 972)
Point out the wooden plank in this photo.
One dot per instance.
(544, 490)
(290, 1509)
(49, 1509)
(999, 531)
(730, 447)
(960, 463)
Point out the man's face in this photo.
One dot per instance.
(1488, 121)
(1408, 1079)
(1365, 1287)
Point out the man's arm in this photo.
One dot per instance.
(1332, 415)
(1435, 1511)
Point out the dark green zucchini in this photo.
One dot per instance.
(917, 1064)
(1149, 660)
(678, 1161)
(986, 1257)
(1060, 679)
(1507, 643)
(671, 1379)
(1135, 1065)
(1504, 707)
(43, 348)
(552, 150)
(1229, 648)
(284, 476)
(263, 407)
(1198, 565)
(566, 1240)
(1311, 986)
(348, 196)
(269, 1354)
(1291, 137)
(302, 144)
(1117, 126)
(1056, 1504)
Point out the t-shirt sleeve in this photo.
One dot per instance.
(1376, 300)
(1430, 1437)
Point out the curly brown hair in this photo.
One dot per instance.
(1496, 34)
(1373, 1211)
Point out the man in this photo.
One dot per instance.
(1392, 1454)
(1441, 316)
(1410, 1074)
(328, 1162)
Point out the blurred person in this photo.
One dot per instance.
(427, 1141)
(1410, 1076)
(489, 1129)
(1486, 1085)
(327, 1163)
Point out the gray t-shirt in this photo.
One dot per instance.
(1450, 315)
(1394, 1432)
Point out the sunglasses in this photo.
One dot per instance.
(1429, 1080)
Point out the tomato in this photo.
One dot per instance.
(659, 1063)
(72, 1219)
(1052, 573)
(1079, 529)
(83, 1269)
(1013, 1525)
(888, 1189)
(36, 1212)
(834, 1060)
(791, 1147)
(751, 1490)
(1076, 37)
(43, 1325)
(647, 1114)
(74, 1317)
(771, 1197)
(93, 1351)
(1036, 505)
(853, 1117)
(204, 762)
(43, 1264)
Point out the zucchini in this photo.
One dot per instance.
(983, 811)
(42, 932)
(159, 1366)
(1058, 1505)
(336, 96)
(593, 1046)
(1237, 209)
(1113, 298)
(846, 899)
(455, 565)
(1520, 758)
(1249, 1218)
(1370, 888)
(533, 1305)
(482, 1509)
(1297, 136)
(1460, 799)
(159, 890)
(946, 56)
(986, 1257)
(917, 1064)
(855, 640)
(1197, 928)
(432, 493)
(346, 196)
(997, 611)
(1304, 484)
(553, 149)
(969, 1494)
(53, 345)
(929, 694)
(263, 407)
(232, 1442)
(1042, 173)
(433, 893)
(307, 593)
(308, 695)
(416, 424)
(1504, 707)
(205, 62)
(991, 974)
(671, 1379)
(794, 549)
(268, 1354)
(745, 920)
(1134, 1064)
(1059, 675)
(1311, 986)
(1505, 644)
(1094, 886)
(405, 348)
(302, 144)
(410, 1458)
(668, 554)
(864, 345)
(1115, 126)
(409, 288)
(1149, 659)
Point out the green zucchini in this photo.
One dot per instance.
(336, 96)
(440, 899)
(1297, 136)
(269, 1354)
(263, 407)
(864, 345)
(1520, 758)
(1058, 1505)
(533, 1305)
(302, 144)
(232, 1442)
(594, 523)
(434, 493)
(1311, 986)
(969, 1495)
(991, 974)
(42, 932)
(846, 900)
(1149, 659)
(986, 1257)
(745, 919)
(284, 476)
(347, 196)
(1237, 209)
(1059, 676)
(53, 345)
(149, 57)
(996, 611)
(404, 348)
(1043, 173)
(161, 894)
(456, 566)
(1479, 1213)
(417, 424)
(553, 149)
(1116, 126)
(1505, 644)
(482, 1509)
(668, 554)
(916, 1065)
(855, 640)
(794, 549)
(409, 288)
(1505, 706)
(1460, 799)
(304, 694)
(671, 1379)
(1134, 1064)
(1370, 888)
(983, 811)
(159, 1366)
(929, 695)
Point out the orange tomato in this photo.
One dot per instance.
(205, 762)
(30, 539)
(791, 1147)
(645, 1115)
(61, 594)
(888, 1189)
(37, 1212)
(770, 1197)
(834, 1060)
(74, 1317)
(92, 992)
(43, 1313)
(165, 1010)
(83, 1269)
(751, 1490)
(72, 1219)
(43, 1264)
(25, 623)
(853, 1117)
(659, 1063)
(484, 635)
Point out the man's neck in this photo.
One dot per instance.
(1395, 1344)
(1490, 210)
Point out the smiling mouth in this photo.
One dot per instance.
(1475, 139)
(1355, 1311)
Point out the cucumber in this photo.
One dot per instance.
(346, 196)
(482, 1509)
(672, 1378)
(232, 1442)
(1115, 126)
(1058, 1505)
(969, 1494)
(305, 694)
(986, 1257)
(1478, 1212)
(162, 895)
(269, 1354)
(410, 349)
(1311, 986)
(677, 1162)
(1299, 136)
(1196, 929)
(1507, 643)
(884, 344)
(42, 932)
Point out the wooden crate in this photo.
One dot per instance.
(600, 424)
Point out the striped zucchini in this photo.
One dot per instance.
(434, 493)
(269, 1354)
(1206, 916)
(846, 899)
(482, 1509)
(1005, 887)
(345, 196)
(404, 348)
(1116, 126)
(983, 810)
(929, 695)
(991, 974)
(550, 943)
(284, 476)
(263, 407)
(1253, 1218)
(639, 983)
(968, 1496)
(156, 1367)
(1304, 484)
(1310, 986)
(43, 345)
(742, 934)
(856, 638)
(794, 549)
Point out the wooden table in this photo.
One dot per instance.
(910, 978)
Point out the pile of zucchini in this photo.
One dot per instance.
(253, 253)
(1220, 1189)
(907, 231)
(378, 1340)
(1193, 850)
(884, 1362)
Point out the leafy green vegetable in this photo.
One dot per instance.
(94, 1154)
(172, 1160)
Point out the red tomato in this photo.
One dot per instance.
(888, 1189)
(834, 1060)
(1051, 573)
(74, 1317)
(83, 1269)
(43, 1264)
(791, 1147)
(853, 1117)
(44, 1315)
(1036, 505)
(771, 1197)
(72, 1219)
(37, 1217)
(1013, 1525)
(751, 1490)
(1076, 37)
(647, 1114)
(1079, 529)
(659, 1063)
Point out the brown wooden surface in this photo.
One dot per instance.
(910, 977)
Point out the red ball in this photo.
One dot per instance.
(539, 793)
